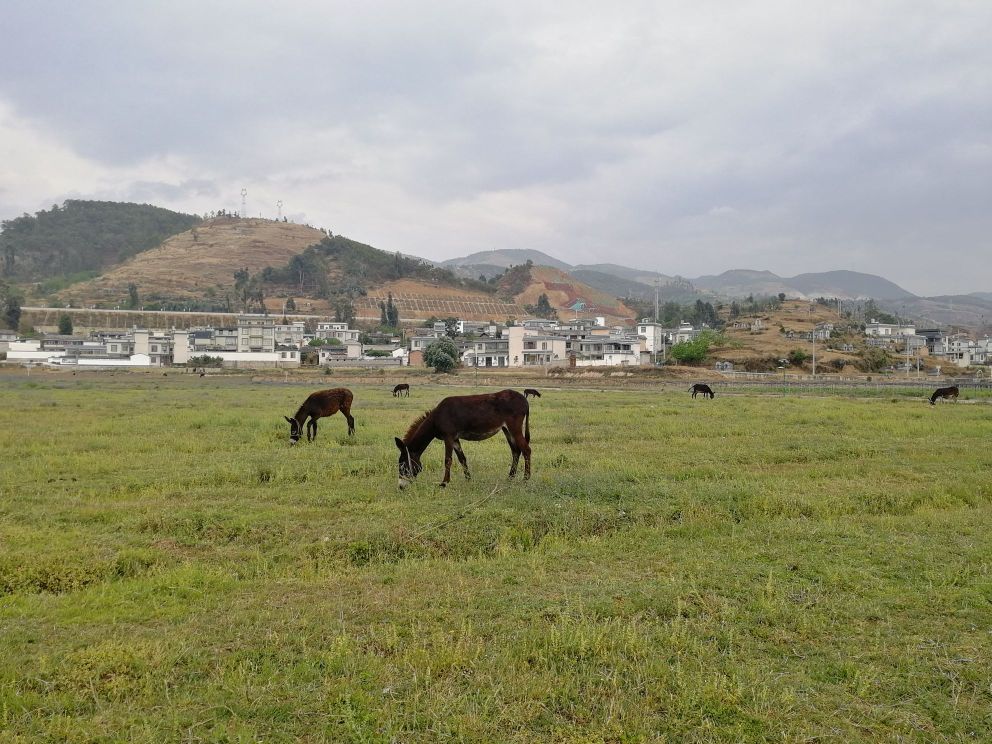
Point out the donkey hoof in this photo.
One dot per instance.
(442, 485)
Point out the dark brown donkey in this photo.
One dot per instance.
(317, 405)
(401, 389)
(528, 392)
(700, 387)
(471, 417)
(945, 392)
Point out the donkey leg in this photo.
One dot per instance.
(514, 449)
(312, 430)
(351, 421)
(448, 447)
(525, 448)
(462, 460)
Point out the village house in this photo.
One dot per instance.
(685, 332)
(529, 347)
(346, 351)
(290, 334)
(6, 337)
(340, 331)
(889, 330)
(487, 352)
(654, 334)
(608, 351)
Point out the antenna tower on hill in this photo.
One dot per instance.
(244, 202)
(279, 207)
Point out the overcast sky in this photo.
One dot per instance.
(685, 137)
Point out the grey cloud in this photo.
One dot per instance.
(772, 136)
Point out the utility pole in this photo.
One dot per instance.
(657, 289)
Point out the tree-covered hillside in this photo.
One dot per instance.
(340, 270)
(337, 263)
(83, 236)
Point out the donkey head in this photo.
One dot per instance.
(409, 464)
(295, 430)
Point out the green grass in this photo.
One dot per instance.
(752, 568)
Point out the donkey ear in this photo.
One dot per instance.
(400, 444)
(289, 420)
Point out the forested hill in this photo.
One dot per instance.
(83, 236)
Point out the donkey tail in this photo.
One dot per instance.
(527, 426)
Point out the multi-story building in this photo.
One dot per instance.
(609, 351)
(530, 347)
(256, 333)
(656, 337)
(290, 334)
(340, 331)
(487, 352)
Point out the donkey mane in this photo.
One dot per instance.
(415, 426)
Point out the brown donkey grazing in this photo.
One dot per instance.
(944, 392)
(701, 388)
(471, 417)
(401, 389)
(317, 405)
(528, 392)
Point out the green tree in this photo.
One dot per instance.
(133, 301)
(543, 308)
(65, 324)
(694, 352)
(797, 357)
(290, 305)
(874, 359)
(392, 312)
(10, 306)
(442, 355)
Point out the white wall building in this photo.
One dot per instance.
(340, 331)
(874, 328)
(531, 347)
(655, 336)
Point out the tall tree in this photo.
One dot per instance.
(65, 324)
(10, 306)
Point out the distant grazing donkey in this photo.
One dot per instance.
(944, 392)
(401, 389)
(701, 388)
(317, 405)
(529, 392)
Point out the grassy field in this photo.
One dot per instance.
(752, 568)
